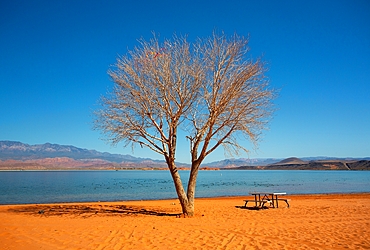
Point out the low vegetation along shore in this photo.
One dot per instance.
(338, 221)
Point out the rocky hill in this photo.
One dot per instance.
(298, 164)
(290, 161)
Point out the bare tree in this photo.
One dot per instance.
(209, 89)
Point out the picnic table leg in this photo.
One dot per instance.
(258, 201)
(273, 202)
(255, 200)
(277, 203)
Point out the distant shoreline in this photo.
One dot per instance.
(181, 169)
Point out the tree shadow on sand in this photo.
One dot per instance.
(88, 210)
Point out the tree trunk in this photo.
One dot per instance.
(191, 187)
(187, 207)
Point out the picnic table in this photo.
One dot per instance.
(261, 199)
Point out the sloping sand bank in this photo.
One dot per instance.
(312, 222)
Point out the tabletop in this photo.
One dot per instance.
(269, 193)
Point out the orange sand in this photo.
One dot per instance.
(312, 222)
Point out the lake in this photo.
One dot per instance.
(24, 187)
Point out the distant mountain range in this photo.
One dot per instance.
(20, 156)
(17, 155)
(20, 151)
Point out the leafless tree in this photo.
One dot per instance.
(210, 89)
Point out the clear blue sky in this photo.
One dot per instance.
(54, 57)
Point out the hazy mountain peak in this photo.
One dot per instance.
(290, 160)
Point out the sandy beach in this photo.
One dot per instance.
(340, 221)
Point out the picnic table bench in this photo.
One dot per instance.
(262, 199)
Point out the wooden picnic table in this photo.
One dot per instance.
(263, 198)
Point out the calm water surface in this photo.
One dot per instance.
(21, 187)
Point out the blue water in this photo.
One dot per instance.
(22, 187)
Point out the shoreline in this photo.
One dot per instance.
(181, 169)
(288, 195)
